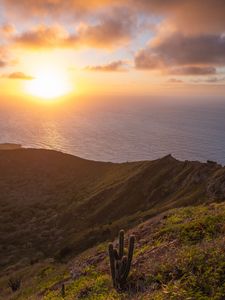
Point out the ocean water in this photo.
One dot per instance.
(121, 131)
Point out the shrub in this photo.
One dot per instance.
(14, 284)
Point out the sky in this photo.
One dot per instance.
(54, 48)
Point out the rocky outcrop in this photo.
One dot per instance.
(216, 185)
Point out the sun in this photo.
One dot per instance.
(48, 84)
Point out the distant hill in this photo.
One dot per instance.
(10, 146)
(55, 205)
(50, 200)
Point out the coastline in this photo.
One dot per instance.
(10, 146)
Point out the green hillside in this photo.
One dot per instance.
(179, 254)
(55, 206)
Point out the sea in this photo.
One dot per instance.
(119, 130)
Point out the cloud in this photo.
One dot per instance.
(7, 29)
(192, 54)
(174, 80)
(215, 79)
(145, 59)
(193, 70)
(53, 8)
(113, 30)
(189, 34)
(2, 63)
(189, 16)
(4, 56)
(111, 67)
(41, 36)
(19, 75)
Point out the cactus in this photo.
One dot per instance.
(119, 263)
(63, 293)
(14, 284)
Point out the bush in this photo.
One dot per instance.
(14, 284)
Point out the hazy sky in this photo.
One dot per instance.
(51, 48)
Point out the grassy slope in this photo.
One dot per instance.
(52, 203)
(179, 254)
(57, 205)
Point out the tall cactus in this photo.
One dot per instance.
(63, 293)
(119, 263)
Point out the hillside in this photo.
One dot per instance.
(179, 255)
(54, 206)
(10, 146)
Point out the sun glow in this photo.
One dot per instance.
(48, 84)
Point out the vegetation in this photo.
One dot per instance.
(180, 254)
(14, 284)
(120, 263)
(54, 205)
(58, 212)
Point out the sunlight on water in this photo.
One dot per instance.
(122, 133)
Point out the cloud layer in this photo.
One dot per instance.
(19, 75)
(187, 37)
(113, 30)
(2, 63)
(187, 15)
(54, 8)
(183, 55)
(114, 66)
(4, 56)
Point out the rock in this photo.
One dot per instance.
(216, 187)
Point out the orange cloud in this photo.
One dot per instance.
(4, 56)
(115, 20)
(193, 70)
(110, 32)
(189, 16)
(213, 80)
(111, 67)
(174, 80)
(2, 63)
(42, 37)
(188, 36)
(184, 55)
(19, 75)
(52, 8)
(7, 29)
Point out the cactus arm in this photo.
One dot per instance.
(123, 266)
(117, 273)
(63, 294)
(116, 255)
(112, 263)
(121, 244)
(129, 259)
